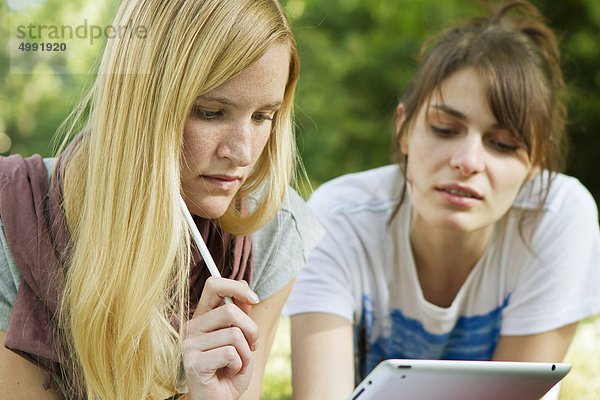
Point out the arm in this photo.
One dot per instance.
(322, 357)
(266, 314)
(543, 347)
(22, 380)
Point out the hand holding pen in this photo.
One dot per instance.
(219, 339)
(208, 260)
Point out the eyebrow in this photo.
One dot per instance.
(450, 111)
(229, 102)
(457, 114)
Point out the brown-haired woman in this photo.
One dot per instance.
(474, 246)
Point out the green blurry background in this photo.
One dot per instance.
(357, 56)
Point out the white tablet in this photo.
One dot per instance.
(459, 380)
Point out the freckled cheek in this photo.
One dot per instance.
(197, 144)
(193, 155)
(259, 143)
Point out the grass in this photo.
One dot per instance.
(582, 383)
(277, 383)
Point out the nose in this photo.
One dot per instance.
(236, 144)
(468, 157)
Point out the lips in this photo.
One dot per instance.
(460, 190)
(459, 195)
(222, 177)
(222, 182)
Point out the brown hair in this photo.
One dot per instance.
(517, 56)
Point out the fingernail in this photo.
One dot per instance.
(254, 298)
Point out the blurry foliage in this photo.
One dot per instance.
(33, 105)
(357, 56)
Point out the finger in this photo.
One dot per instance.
(205, 365)
(215, 289)
(225, 316)
(245, 307)
(232, 336)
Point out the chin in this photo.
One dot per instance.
(463, 226)
(210, 213)
(210, 209)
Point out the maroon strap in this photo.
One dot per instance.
(31, 333)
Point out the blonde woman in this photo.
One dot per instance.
(102, 295)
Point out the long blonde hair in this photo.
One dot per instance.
(129, 255)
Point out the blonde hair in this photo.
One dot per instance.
(129, 257)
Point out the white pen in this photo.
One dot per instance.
(208, 260)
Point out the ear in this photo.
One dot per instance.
(402, 140)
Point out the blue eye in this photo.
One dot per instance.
(260, 117)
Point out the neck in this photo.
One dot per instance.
(444, 258)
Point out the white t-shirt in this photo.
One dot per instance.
(363, 270)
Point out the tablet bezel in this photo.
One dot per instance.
(461, 380)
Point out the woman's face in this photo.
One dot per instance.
(464, 170)
(227, 130)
